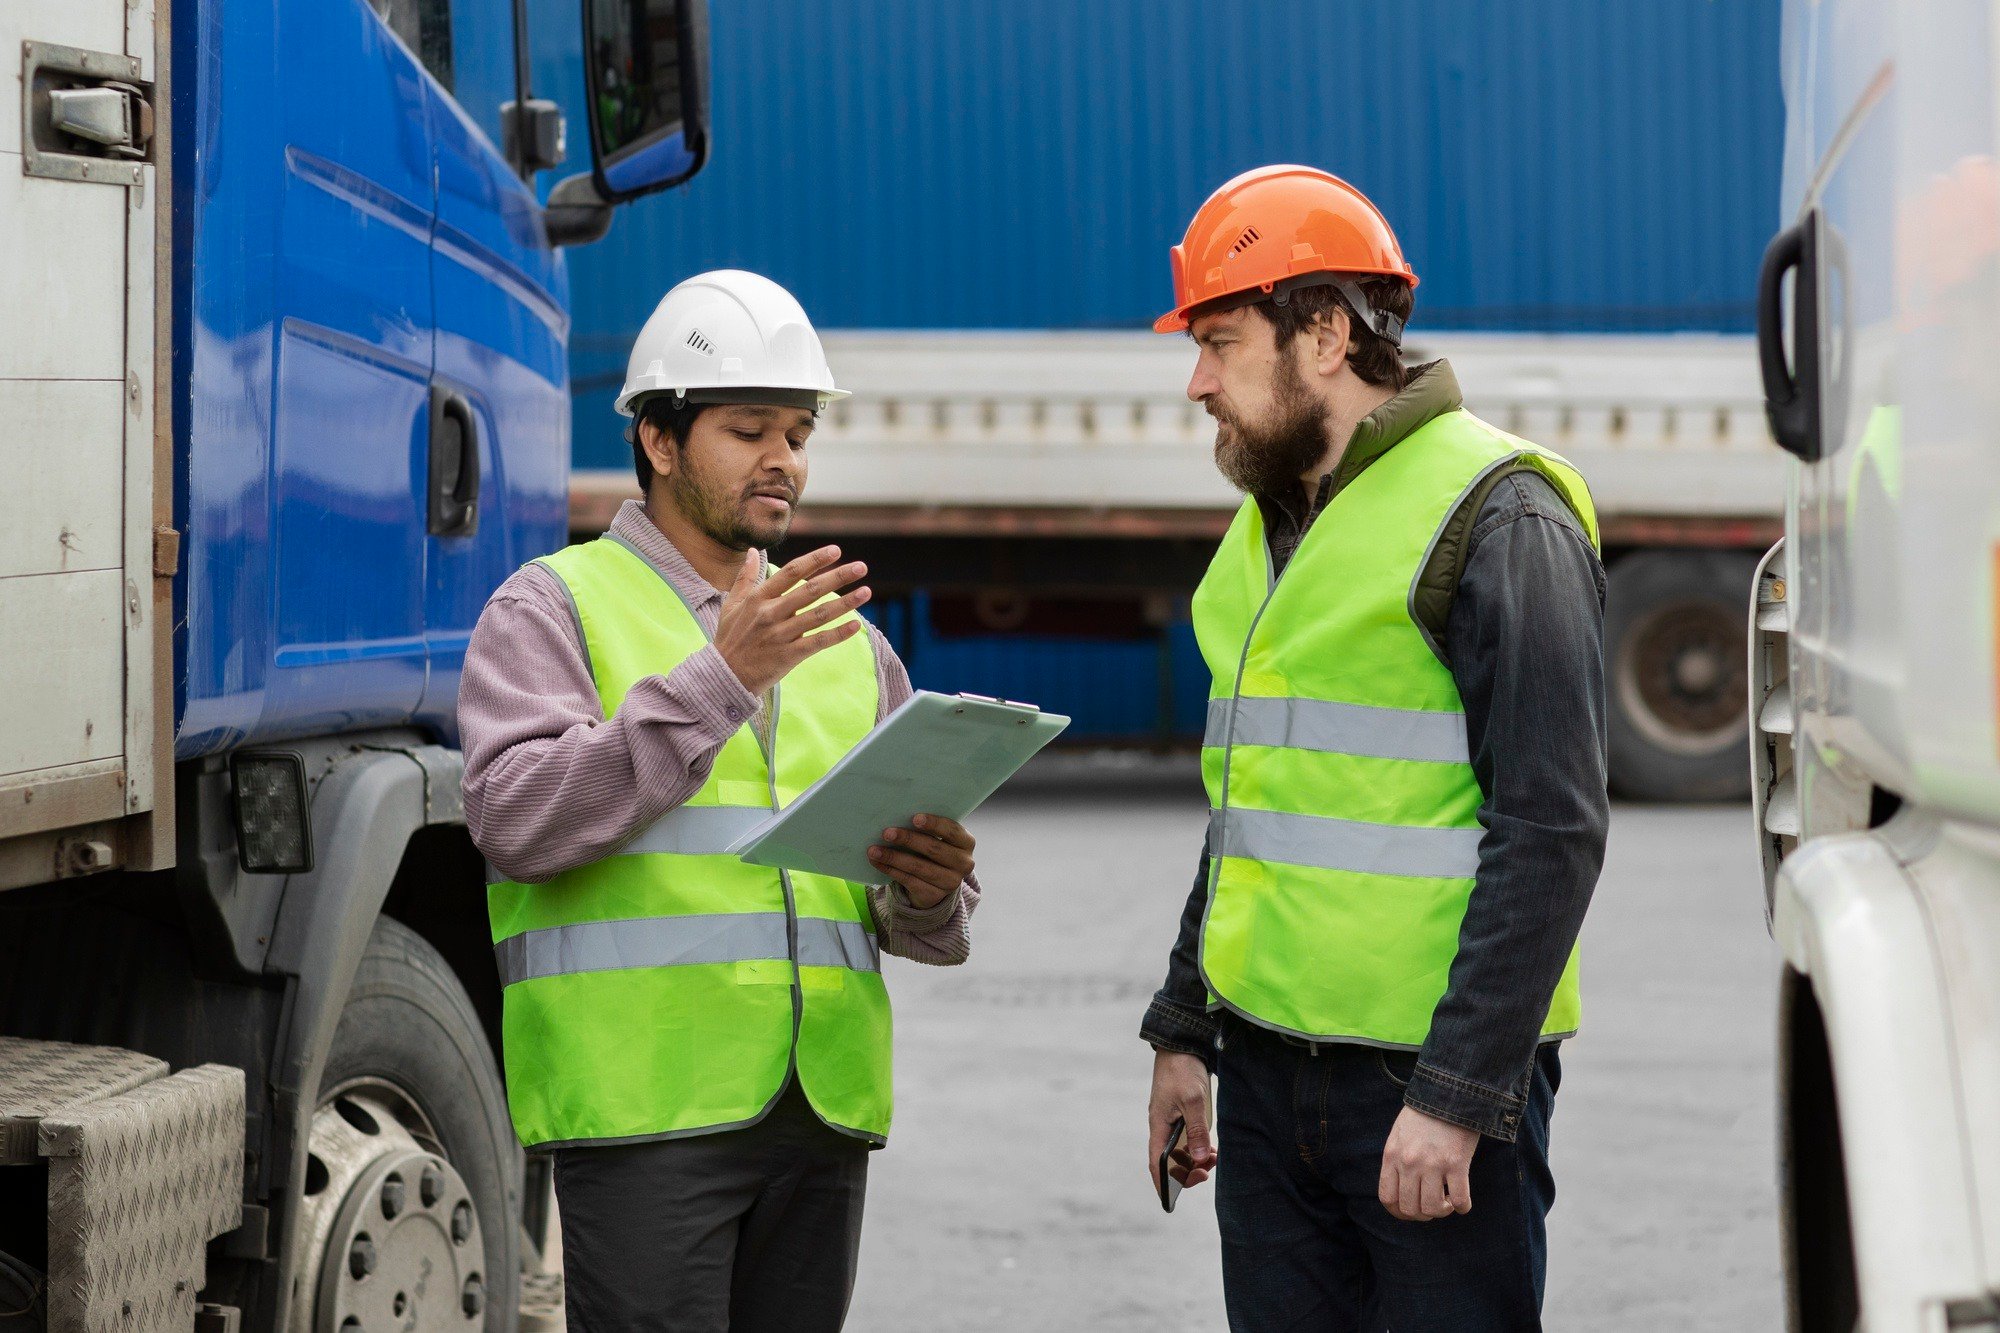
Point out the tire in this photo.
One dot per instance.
(409, 1022)
(23, 1306)
(1822, 1276)
(1676, 664)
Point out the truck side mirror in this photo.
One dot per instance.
(646, 76)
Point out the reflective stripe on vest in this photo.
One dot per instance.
(1344, 833)
(1344, 844)
(668, 988)
(697, 830)
(675, 941)
(692, 830)
(1320, 724)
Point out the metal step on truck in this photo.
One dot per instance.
(1875, 666)
(283, 397)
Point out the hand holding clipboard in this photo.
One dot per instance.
(939, 754)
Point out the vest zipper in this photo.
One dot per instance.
(791, 903)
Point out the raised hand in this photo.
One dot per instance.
(767, 625)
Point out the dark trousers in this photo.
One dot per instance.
(1306, 1244)
(750, 1230)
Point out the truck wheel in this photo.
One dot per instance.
(413, 1175)
(22, 1308)
(1676, 669)
(1814, 1207)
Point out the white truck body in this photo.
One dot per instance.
(85, 747)
(1874, 662)
(1088, 424)
(1659, 425)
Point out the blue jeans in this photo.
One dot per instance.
(1306, 1244)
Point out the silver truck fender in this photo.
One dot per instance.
(1868, 920)
(369, 796)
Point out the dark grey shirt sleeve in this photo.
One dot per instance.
(1178, 1019)
(1525, 643)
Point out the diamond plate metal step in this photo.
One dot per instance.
(40, 1078)
(145, 1168)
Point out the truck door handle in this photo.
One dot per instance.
(85, 115)
(454, 485)
(1792, 390)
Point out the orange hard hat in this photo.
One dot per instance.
(1275, 229)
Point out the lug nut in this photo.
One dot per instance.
(474, 1299)
(392, 1196)
(461, 1223)
(430, 1186)
(361, 1257)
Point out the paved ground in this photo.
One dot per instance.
(1014, 1195)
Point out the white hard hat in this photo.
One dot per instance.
(729, 336)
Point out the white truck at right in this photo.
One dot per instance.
(1874, 635)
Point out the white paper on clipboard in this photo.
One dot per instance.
(938, 754)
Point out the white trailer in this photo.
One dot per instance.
(1877, 758)
(133, 1169)
(87, 548)
(1086, 443)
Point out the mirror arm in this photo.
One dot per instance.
(576, 213)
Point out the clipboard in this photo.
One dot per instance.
(937, 754)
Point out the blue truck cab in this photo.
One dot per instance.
(373, 368)
(285, 383)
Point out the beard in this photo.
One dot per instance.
(1268, 458)
(724, 512)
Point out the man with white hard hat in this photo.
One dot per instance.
(704, 1045)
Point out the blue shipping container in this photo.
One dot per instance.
(1550, 165)
(1125, 691)
(1563, 165)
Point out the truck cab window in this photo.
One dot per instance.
(467, 45)
(425, 27)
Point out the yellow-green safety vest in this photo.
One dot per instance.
(1343, 825)
(669, 989)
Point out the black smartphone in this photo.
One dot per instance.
(1170, 1188)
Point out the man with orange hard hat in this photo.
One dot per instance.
(1404, 758)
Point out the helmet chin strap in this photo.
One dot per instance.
(1383, 323)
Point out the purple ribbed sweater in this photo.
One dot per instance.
(551, 784)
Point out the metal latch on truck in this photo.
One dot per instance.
(85, 115)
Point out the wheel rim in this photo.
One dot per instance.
(392, 1237)
(1680, 675)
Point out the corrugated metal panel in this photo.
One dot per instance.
(1550, 164)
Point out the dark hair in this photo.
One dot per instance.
(672, 417)
(1374, 358)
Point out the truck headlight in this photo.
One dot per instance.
(273, 832)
